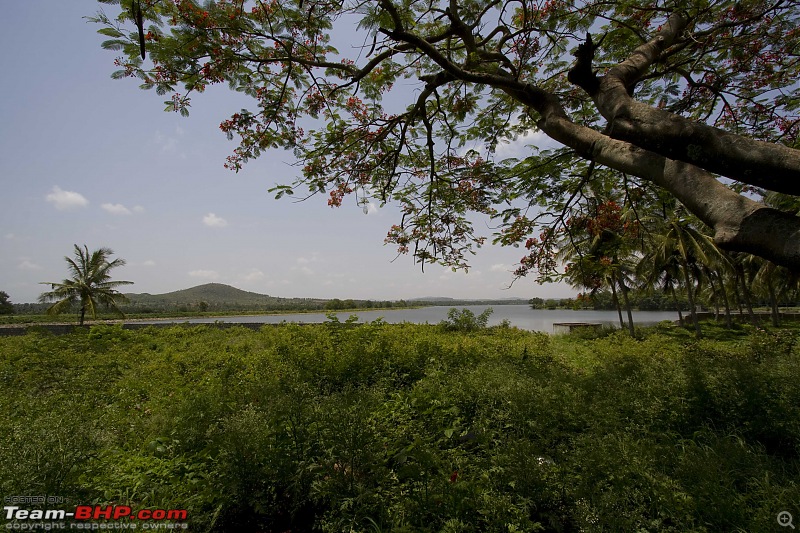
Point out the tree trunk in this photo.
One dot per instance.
(714, 299)
(690, 295)
(773, 300)
(627, 303)
(616, 303)
(83, 314)
(677, 306)
(727, 304)
(746, 296)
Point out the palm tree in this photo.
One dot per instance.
(90, 284)
(679, 243)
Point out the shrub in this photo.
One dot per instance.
(465, 320)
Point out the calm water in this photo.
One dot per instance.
(521, 316)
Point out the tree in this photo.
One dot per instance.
(90, 284)
(675, 94)
(598, 248)
(682, 245)
(6, 307)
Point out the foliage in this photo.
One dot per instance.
(465, 320)
(89, 286)
(653, 98)
(6, 307)
(341, 427)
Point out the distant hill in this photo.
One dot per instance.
(215, 295)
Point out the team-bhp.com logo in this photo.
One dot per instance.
(83, 514)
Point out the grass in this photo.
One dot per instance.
(382, 427)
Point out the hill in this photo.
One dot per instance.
(211, 293)
(216, 296)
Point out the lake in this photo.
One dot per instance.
(521, 316)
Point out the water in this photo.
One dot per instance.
(521, 316)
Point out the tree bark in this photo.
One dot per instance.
(746, 295)
(616, 303)
(690, 294)
(727, 304)
(626, 301)
(773, 300)
(677, 306)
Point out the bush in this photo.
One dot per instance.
(465, 320)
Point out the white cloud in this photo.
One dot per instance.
(499, 267)
(149, 263)
(308, 260)
(213, 221)
(254, 275)
(138, 209)
(10, 236)
(116, 209)
(169, 143)
(64, 200)
(204, 274)
(28, 265)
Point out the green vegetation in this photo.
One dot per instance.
(339, 427)
(465, 320)
(6, 307)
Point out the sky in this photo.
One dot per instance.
(85, 159)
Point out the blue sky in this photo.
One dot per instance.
(85, 159)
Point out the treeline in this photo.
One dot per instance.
(287, 304)
(604, 301)
(642, 301)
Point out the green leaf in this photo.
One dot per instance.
(110, 32)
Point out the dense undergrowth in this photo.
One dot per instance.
(407, 427)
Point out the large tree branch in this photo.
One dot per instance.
(769, 165)
(739, 223)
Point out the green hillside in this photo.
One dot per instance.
(216, 296)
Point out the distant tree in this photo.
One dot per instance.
(334, 304)
(465, 320)
(536, 303)
(90, 284)
(6, 308)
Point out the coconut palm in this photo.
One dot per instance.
(682, 245)
(90, 284)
